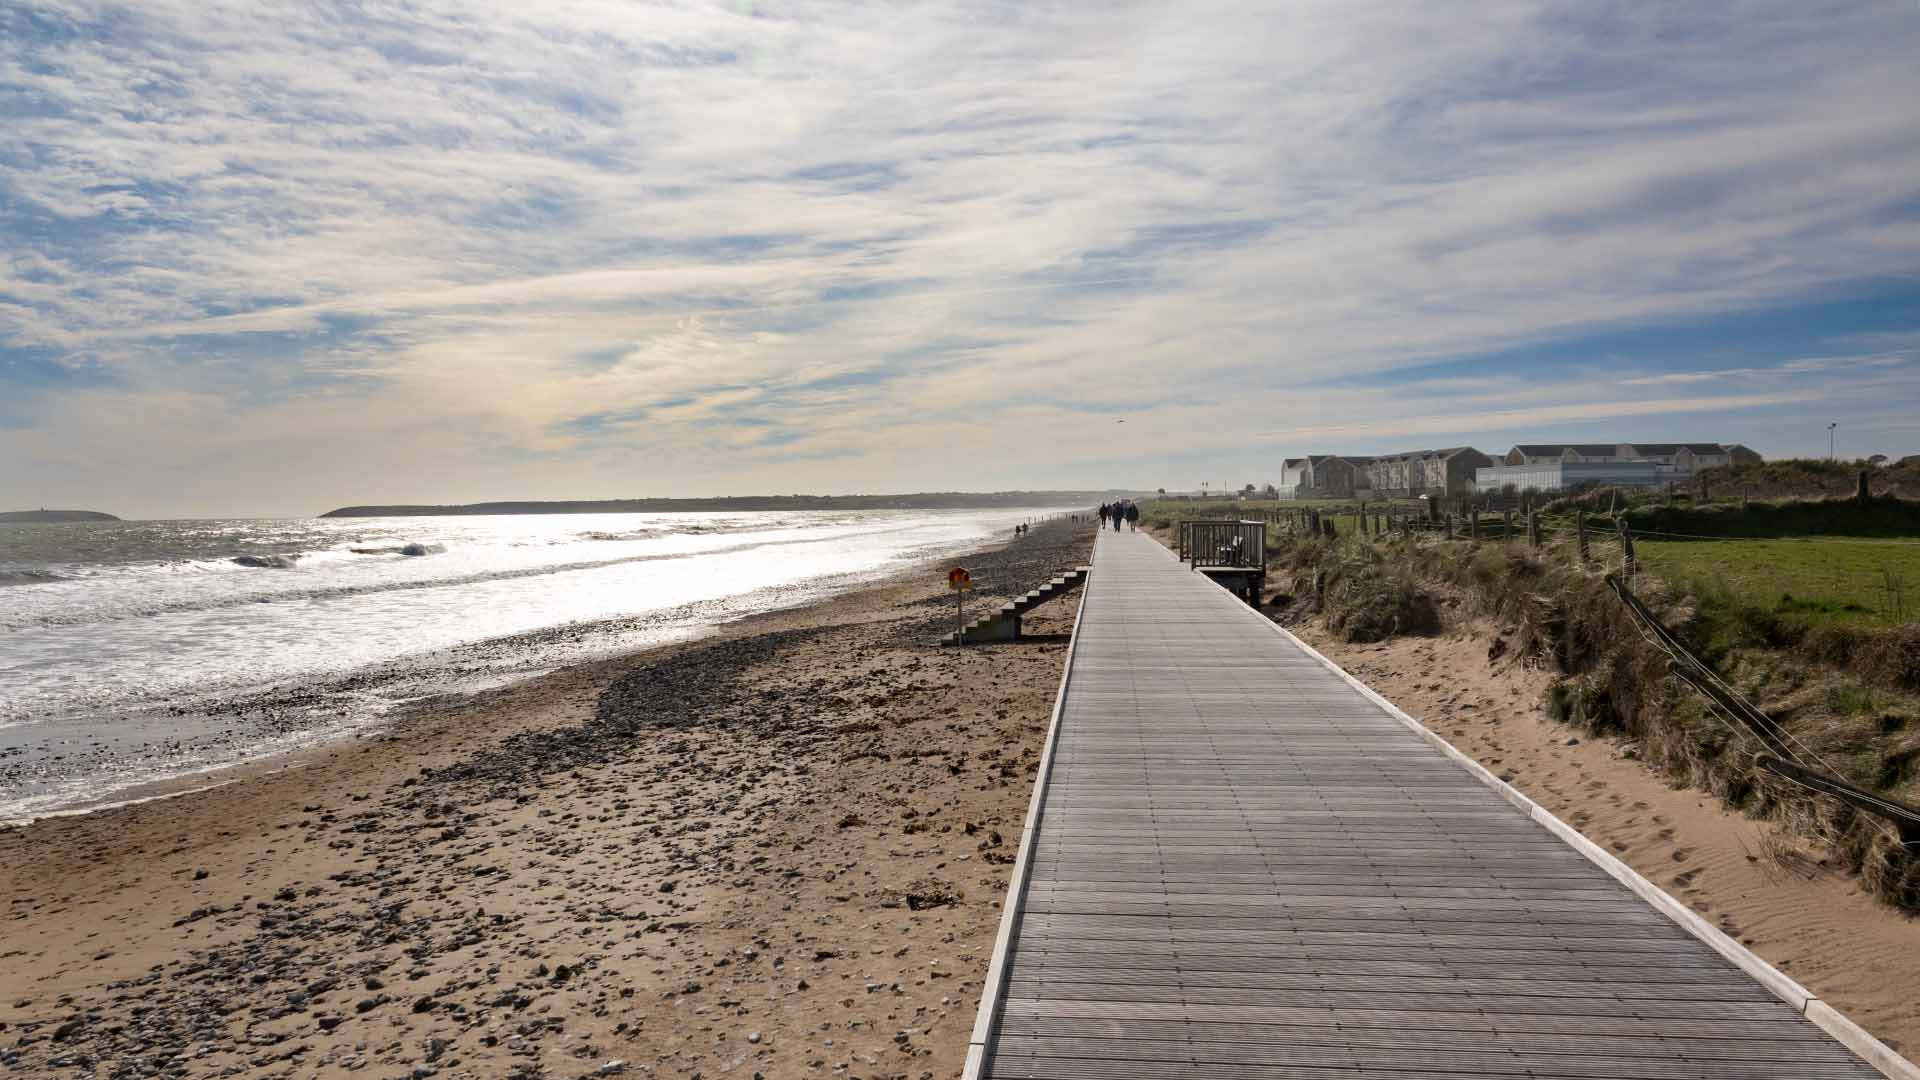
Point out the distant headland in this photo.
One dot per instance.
(938, 500)
(43, 517)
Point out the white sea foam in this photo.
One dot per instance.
(108, 646)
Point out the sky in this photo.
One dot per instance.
(270, 259)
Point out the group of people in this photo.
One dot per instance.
(1117, 512)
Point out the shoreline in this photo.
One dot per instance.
(654, 858)
(63, 765)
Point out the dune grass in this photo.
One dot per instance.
(1848, 690)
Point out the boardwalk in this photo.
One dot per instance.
(1245, 867)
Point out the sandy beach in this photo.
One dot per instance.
(776, 851)
(1770, 890)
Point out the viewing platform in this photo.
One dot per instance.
(1240, 862)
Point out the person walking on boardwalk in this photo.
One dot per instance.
(1104, 511)
(1133, 517)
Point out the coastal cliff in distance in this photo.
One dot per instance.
(938, 500)
(44, 517)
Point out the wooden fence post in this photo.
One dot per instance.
(1860, 494)
(1580, 520)
(1626, 549)
(1473, 523)
(1533, 528)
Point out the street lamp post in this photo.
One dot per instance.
(1830, 428)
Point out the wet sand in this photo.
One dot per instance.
(1759, 885)
(778, 851)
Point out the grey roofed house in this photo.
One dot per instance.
(1448, 470)
(1528, 453)
(1676, 457)
(1322, 476)
(1451, 469)
(1665, 449)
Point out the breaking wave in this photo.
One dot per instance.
(140, 608)
(413, 550)
(268, 562)
(29, 577)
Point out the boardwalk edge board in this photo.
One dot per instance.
(995, 986)
(1824, 1016)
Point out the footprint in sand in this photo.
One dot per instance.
(1665, 834)
(1681, 854)
(1621, 845)
(1642, 806)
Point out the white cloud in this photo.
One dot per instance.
(903, 238)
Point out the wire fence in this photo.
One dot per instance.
(1610, 541)
(1740, 716)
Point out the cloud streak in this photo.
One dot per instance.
(800, 246)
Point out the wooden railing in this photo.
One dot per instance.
(1224, 543)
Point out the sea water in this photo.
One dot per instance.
(135, 652)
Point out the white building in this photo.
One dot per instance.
(1561, 475)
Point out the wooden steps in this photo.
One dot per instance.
(1003, 624)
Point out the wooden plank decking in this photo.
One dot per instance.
(1242, 866)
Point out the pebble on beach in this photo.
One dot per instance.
(777, 851)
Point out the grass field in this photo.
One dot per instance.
(1816, 580)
